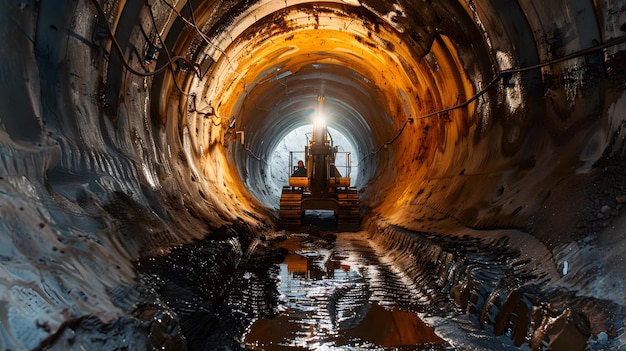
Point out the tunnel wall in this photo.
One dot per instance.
(101, 167)
(489, 166)
(90, 183)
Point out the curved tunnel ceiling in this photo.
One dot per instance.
(491, 119)
(261, 65)
(377, 69)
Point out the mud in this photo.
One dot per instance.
(384, 289)
(184, 293)
(340, 294)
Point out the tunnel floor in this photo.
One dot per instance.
(336, 291)
(312, 289)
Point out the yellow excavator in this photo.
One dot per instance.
(319, 185)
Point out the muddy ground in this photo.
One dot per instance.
(315, 290)
(318, 290)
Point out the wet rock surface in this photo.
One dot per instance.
(383, 289)
(510, 295)
(189, 287)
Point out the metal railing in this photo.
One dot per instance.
(343, 162)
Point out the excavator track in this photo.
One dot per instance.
(349, 210)
(290, 208)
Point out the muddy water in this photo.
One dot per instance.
(337, 295)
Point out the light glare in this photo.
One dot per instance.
(319, 119)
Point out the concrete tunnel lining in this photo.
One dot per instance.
(380, 115)
(107, 166)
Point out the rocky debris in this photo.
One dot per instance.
(605, 212)
(189, 284)
(490, 280)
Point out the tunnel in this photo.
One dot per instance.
(137, 141)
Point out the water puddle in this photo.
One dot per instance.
(339, 297)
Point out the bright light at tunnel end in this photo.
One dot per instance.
(319, 119)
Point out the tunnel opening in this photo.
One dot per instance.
(279, 110)
(491, 164)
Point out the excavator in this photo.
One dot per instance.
(320, 185)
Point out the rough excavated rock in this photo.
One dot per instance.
(109, 158)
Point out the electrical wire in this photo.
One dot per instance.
(119, 50)
(509, 72)
(204, 37)
(502, 75)
(283, 84)
(390, 141)
(255, 156)
(171, 59)
(207, 114)
(169, 55)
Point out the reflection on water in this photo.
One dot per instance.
(330, 300)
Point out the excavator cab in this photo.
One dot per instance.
(318, 183)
